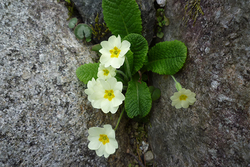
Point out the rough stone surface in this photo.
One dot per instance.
(215, 130)
(89, 9)
(162, 3)
(44, 112)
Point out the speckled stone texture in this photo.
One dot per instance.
(44, 112)
(214, 132)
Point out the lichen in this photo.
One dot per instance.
(192, 11)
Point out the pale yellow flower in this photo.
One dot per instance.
(102, 140)
(183, 98)
(105, 72)
(105, 94)
(113, 51)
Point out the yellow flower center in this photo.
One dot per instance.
(115, 52)
(109, 94)
(106, 72)
(183, 97)
(104, 139)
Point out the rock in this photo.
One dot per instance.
(44, 112)
(161, 3)
(149, 156)
(215, 130)
(89, 9)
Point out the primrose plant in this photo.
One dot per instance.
(118, 78)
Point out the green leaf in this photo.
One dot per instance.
(88, 39)
(166, 20)
(122, 17)
(155, 93)
(160, 34)
(96, 47)
(138, 100)
(72, 22)
(139, 47)
(159, 18)
(167, 58)
(87, 71)
(83, 30)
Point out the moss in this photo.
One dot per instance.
(99, 30)
(70, 7)
(192, 11)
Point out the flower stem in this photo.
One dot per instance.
(128, 68)
(119, 118)
(177, 84)
(123, 74)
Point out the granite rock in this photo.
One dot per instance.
(44, 112)
(215, 130)
(89, 9)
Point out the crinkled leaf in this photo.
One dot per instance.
(87, 71)
(167, 57)
(122, 16)
(138, 100)
(139, 47)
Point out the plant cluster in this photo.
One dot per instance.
(81, 31)
(119, 77)
(162, 21)
(99, 30)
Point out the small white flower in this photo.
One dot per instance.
(102, 140)
(113, 51)
(105, 72)
(183, 98)
(105, 94)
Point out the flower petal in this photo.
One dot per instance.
(112, 40)
(105, 84)
(109, 148)
(101, 150)
(120, 61)
(118, 86)
(107, 128)
(119, 97)
(94, 145)
(178, 105)
(113, 110)
(184, 103)
(97, 103)
(125, 47)
(110, 134)
(114, 143)
(106, 45)
(95, 131)
(105, 106)
(104, 59)
(106, 155)
(191, 100)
